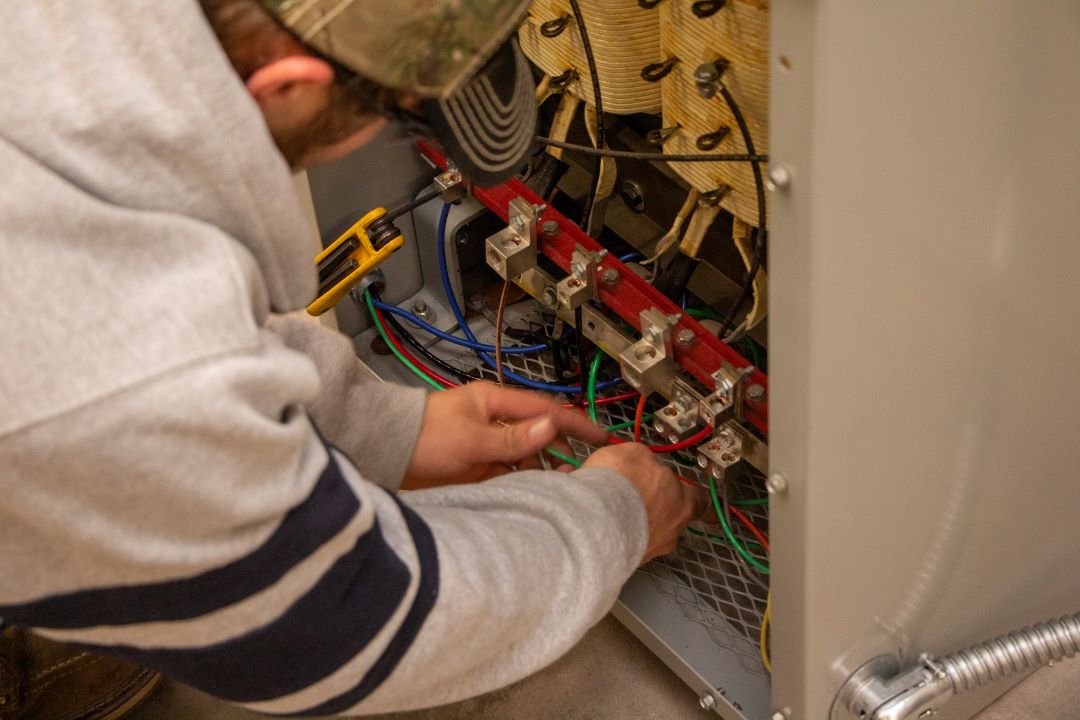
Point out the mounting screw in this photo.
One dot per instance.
(475, 301)
(633, 196)
(423, 311)
(685, 337)
(610, 276)
(549, 297)
(707, 701)
(778, 716)
(776, 484)
(779, 178)
(755, 392)
(549, 228)
(707, 79)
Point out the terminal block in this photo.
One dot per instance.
(513, 250)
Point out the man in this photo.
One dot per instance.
(205, 489)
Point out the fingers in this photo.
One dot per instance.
(701, 505)
(511, 443)
(519, 405)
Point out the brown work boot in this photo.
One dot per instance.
(45, 680)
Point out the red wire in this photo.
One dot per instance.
(751, 527)
(606, 400)
(675, 447)
(401, 349)
(638, 415)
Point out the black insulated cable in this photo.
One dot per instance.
(762, 233)
(653, 157)
(599, 102)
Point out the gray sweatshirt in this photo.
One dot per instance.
(186, 481)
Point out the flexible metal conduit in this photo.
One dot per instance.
(881, 691)
(1005, 655)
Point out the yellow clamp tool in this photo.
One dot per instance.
(372, 239)
(367, 243)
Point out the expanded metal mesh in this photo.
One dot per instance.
(713, 586)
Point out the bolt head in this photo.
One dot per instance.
(549, 228)
(707, 701)
(702, 462)
(778, 716)
(706, 72)
(610, 276)
(755, 392)
(549, 297)
(577, 268)
(776, 484)
(685, 337)
(420, 307)
(475, 301)
(779, 178)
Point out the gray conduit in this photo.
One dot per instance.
(879, 691)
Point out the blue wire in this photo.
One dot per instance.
(444, 275)
(519, 350)
(635, 255)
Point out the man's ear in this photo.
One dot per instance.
(274, 81)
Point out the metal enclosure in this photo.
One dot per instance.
(924, 336)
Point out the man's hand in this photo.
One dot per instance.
(670, 503)
(478, 431)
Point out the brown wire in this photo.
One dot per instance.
(499, 332)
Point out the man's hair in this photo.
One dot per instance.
(248, 34)
(252, 38)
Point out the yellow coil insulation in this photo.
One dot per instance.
(738, 33)
(624, 38)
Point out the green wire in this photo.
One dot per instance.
(594, 370)
(753, 352)
(703, 314)
(429, 381)
(732, 540)
(628, 423)
(707, 314)
(749, 503)
(386, 339)
(717, 538)
(565, 458)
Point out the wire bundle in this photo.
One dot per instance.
(384, 318)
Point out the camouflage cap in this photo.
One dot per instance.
(429, 47)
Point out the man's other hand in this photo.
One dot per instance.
(670, 503)
(481, 430)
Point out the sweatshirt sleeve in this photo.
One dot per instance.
(198, 524)
(353, 409)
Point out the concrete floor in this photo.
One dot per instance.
(611, 675)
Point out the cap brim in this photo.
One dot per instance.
(488, 125)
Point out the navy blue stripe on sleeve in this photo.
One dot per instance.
(318, 634)
(304, 529)
(424, 601)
